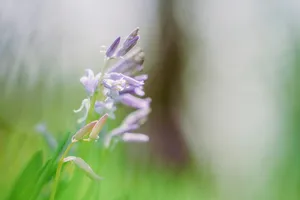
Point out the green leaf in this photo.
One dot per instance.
(48, 170)
(26, 181)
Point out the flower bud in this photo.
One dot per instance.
(84, 131)
(98, 127)
(113, 47)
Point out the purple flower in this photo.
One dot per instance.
(141, 77)
(137, 117)
(132, 35)
(130, 64)
(129, 80)
(127, 46)
(135, 137)
(133, 90)
(90, 81)
(117, 85)
(106, 107)
(135, 102)
(132, 122)
(113, 47)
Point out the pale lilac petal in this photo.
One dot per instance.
(84, 80)
(117, 76)
(133, 90)
(89, 73)
(123, 129)
(90, 82)
(135, 137)
(134, 102)
(137, 117)
(141, 77)
(132, 81)
(139, 92)
(106, 107)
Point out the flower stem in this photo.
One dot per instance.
(58, 171)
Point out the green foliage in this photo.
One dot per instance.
(25, 182)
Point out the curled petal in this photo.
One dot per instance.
(134, 102)
(137, 117)
(84, 104)
(135, 137)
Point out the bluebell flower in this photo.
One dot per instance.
(90, 81)
(133, 101)
(132, 122)
(142, 77)
(106, 107)
(120, 83)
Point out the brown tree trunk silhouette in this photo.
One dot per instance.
(168, 143)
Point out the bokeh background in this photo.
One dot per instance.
(224, 79)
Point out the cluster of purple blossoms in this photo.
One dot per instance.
(119, 83)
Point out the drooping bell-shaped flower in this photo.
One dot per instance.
(132, 122)
(134, 102)
(90, 81)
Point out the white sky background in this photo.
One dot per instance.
(233, 92)
(70, 32)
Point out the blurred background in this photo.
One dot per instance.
(224, 80)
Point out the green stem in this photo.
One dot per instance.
(97, 94)
(58, 171)
(100, 170)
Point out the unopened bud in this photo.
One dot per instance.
(113, 47)
(98, 127)
(84, 131)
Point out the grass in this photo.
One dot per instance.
(126, 176)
